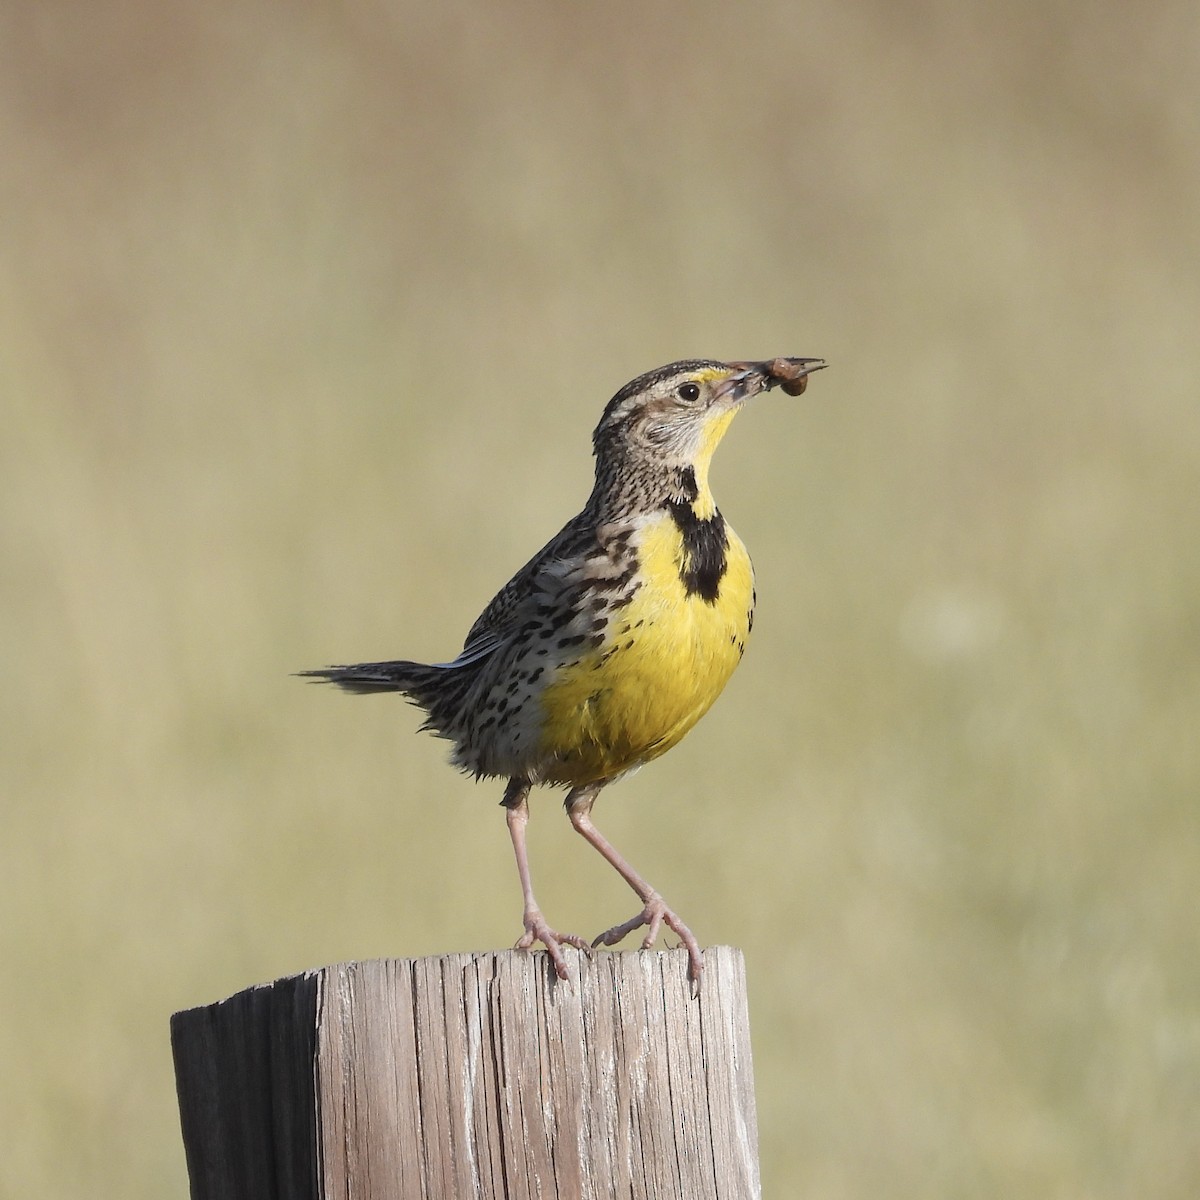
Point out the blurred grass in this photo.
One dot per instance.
(306, 316)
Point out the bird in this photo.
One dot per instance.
(615, 638)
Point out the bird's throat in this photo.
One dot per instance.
(701, 498)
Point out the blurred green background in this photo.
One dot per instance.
(306, 315)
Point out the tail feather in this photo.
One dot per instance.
(443, 691)
(367, 678)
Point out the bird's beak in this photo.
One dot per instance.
(750, 378)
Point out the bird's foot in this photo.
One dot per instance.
(536, 930)
(656, 914)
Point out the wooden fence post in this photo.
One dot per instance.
(474, 1075)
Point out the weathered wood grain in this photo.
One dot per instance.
(474, 1075)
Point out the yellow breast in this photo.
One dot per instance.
(666, 657)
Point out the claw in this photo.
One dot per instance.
(536, 930)
(655, 915)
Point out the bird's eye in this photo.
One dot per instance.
(688, 392)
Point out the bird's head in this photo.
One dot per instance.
(672, 418)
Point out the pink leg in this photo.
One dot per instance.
(536, 930)
(655, 914)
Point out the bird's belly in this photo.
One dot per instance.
(666, 657)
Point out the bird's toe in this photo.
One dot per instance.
(537, 930)
(654, 916)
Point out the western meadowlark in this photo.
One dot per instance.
(616, 637)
